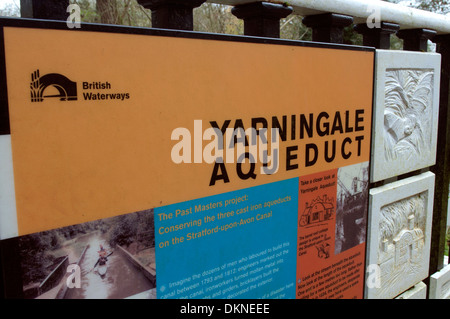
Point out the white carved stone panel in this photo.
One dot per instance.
(399, 235)
(406, 105)
(419, 291)
(440, 284)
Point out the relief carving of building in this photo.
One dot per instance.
(402, 239)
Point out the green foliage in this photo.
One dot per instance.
(121, 12)
(137, 227)
(438, 6)
(216, 18)
(351, 36)
(88, 12)
(34, 255)
(396, 43)
(292, 28)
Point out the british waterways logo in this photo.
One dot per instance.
(54, 85)
(66, 90)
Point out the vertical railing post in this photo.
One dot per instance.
(172, 14)
(328, 27)
(442, 167)
(378, 37)
(44, 9)
(262, 18)
(416, 39)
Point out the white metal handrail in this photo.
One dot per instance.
(361, 10)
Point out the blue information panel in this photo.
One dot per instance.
(240, 244)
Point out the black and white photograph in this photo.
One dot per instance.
(111, 258)
(351, 206)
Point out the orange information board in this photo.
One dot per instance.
(332, 230)
(105, 123)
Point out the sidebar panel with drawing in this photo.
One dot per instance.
(331, 234)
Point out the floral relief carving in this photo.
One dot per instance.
(407, 113)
